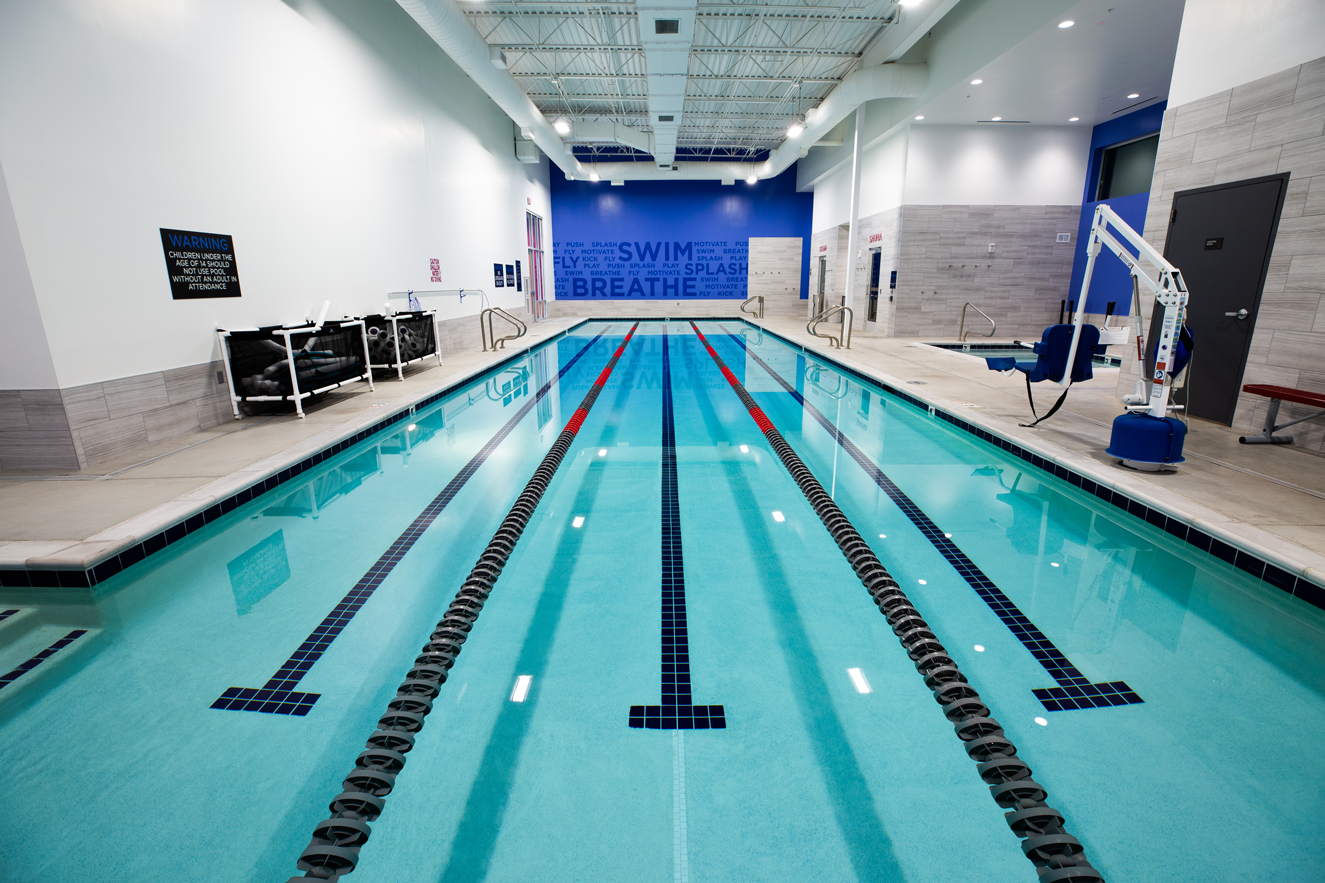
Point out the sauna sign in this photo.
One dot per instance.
(667, 268)
(200, 264)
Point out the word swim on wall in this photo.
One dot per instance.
(668, 269)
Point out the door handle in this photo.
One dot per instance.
(1240, 314)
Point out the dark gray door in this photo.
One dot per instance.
(1220, 238)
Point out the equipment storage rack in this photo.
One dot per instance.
(401, 339)
(283, 363)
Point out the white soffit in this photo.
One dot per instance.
(1115, 48)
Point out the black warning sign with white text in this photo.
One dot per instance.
(200, 264)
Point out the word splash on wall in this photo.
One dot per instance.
(710, 268)
(669, 240)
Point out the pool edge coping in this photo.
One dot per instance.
(83, 564)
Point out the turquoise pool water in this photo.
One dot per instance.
(120, 769)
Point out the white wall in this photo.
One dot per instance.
(25, 358)
(1225, 43)
(333, 140)
(996, 165)
(882, 179)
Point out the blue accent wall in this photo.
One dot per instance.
(1110, 280)
(670, 239)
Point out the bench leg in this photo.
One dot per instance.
(1267, 436)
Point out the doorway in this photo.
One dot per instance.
(872, 308)
(1220, 238)
(534, 236)
(818, 306)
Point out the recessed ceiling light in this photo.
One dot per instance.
(753, 179)
(996, 119)
(1066, 24)
(1074, 120)
(593, 176)
(977, 81)
(1135, 95)
(921, 117)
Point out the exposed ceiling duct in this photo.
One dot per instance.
(444, 21)
(450, 28)
(869, 84)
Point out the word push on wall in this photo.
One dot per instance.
(660, 268)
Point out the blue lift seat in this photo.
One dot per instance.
(1051, 361)
(1051, 354)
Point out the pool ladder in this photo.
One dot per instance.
(758, 300)
(485, 330)
(843, 342)
(961, 329)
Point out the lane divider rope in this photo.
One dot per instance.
(334, 850)
(1057, 855)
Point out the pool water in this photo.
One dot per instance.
(120, 768)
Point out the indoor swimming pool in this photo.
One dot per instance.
(677, 676)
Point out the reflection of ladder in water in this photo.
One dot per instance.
(32, 648)
(509, 385)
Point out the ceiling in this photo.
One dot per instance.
(726, 78)
(752, 69)
(1115, 48)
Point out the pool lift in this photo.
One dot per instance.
(1146, 437)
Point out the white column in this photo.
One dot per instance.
(857, 146)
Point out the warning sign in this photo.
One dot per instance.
(200, 264)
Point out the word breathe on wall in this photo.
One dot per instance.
(662, 269)
(200, 264)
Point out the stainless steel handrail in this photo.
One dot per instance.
(746, 302)
(489, 336)
(961, 329)
(843, 342)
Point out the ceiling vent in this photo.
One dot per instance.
(667, 26)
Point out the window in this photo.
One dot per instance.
(1127, 168)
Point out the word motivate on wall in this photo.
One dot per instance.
(662, 269)
(200, 264)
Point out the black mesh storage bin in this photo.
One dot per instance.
(397, 340)
(259, 360)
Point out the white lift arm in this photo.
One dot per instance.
(1165, 284)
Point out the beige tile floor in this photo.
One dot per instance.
(1266, 499)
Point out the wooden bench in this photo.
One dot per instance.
(1277, 395)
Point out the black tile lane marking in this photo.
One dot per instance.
(1073, 690)
(9, 677)
(278, 695)
(677, 711)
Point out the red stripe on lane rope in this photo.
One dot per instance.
(576, 421)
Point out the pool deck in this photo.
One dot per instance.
(1268, 500)
(72, 520)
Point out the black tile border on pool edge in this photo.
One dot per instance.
(27, 578)
(1248, 562)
